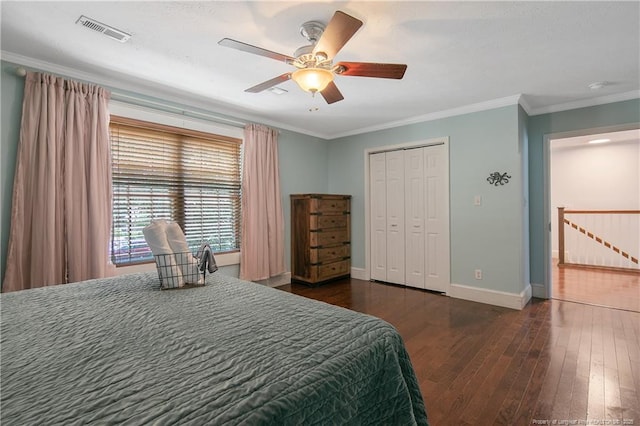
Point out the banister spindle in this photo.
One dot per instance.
(560, 235)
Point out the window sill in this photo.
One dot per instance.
(222, 259)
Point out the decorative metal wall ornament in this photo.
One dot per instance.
(496, 178)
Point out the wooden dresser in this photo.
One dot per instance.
(320, 237)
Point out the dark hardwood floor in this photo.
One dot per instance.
(484, 365)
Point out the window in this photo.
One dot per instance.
(187, 176)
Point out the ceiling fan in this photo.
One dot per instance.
(314, 62)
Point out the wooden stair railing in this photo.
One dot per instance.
(562, 221)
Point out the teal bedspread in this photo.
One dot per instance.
(121, 351)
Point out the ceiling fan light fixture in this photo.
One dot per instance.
(314, 63)
(312, 79)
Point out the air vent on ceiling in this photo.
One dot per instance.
(107, 30)
(277, 90)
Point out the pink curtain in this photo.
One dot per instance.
(262, 243)
(61, 211)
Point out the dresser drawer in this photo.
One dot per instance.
(328, 221)
(319, 205)
(320, 237)
(333, 269)
(326, 238)
(321, 255)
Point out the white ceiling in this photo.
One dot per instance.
(622, 136)
(460, 55)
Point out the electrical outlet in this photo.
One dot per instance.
(478, 274)
(477, 200)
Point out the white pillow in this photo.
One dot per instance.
(187, 262)
(156, 237)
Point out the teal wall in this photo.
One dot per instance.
(523, 147)
(303, 169)
(489, 237)
(626, 113)
(303, 159)
(11, 93)
(494, 237)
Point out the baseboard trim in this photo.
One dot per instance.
(359, 274)
(539, 291)
(491, 297)
(277, 281)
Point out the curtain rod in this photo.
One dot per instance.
(122, 97)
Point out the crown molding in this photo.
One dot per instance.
(120, 87)
(122, 90)
(601, 100)
(525, 104)
(126, 91)
(497, 103)
(468, 109)
(219, 112)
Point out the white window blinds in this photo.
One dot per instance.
(191, 177)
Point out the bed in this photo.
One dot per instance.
(122, 351)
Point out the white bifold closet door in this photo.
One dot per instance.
(395, 217)
(414, 201)
(409, 211)
(378, 213)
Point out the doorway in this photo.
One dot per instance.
(594, 201)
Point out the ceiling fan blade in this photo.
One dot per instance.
(337, 33)
(235, 44)
(371, 69)
(331, 93)
(269, 83)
